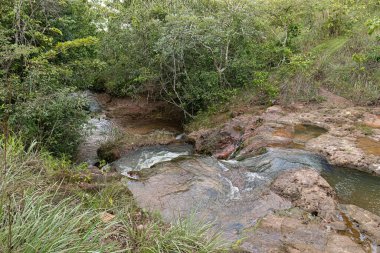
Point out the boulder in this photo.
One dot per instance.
(295, 232)
(307, 190)
(367, 222)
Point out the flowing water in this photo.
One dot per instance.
(239, 180)
(352, 186)
(147, 157)
(232, 194)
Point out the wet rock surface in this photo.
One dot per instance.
(265, 210)
(366, 222)
(272, 198)
(96, 132)
(235, 195)
(202, 187)
(223, 141)
(337, 134)
(294, 231)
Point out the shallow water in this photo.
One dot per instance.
(352, 186)
(96, 131)
(369, 145)
(303, 133)
(355, 187)
(300, 134)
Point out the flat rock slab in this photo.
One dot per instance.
(366, 222)
(292, 232)
(199, 186)
(233, 195)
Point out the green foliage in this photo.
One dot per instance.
(184, 236)
(365, 129)
(190, 52)
(55, 121)
(196, 54)
(42, 217)
(45, 47)
(39, 225)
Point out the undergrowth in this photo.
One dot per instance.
(39, 212)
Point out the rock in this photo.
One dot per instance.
(93, 104)
(96, 132)
(203, 187)
(343, 151)
(372, 120)
(226, 152)
(233, 195)
(336, 139)
(224, 140)
(293, 232)
(109, 152)
(368, 222)
(106, 217)
(342, 244)
(95, 175)
(306, 189)
(338, 225)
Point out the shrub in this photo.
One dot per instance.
(54, 121)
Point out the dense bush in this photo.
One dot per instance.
(54, 121)
(200, 53)
(46, 47)
(195, 53)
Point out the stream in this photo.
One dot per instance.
(232, 194)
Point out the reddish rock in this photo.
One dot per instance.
(372, 120)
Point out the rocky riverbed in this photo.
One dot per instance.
(262, 179)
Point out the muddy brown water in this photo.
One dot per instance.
(300, 134)
(369, 145)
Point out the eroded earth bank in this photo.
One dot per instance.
(294, 179)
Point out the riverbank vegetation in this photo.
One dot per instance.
(198, 55)
(46, 205)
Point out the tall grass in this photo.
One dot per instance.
(149, 235)
(21, 167)
(39, 225)
(32, 219)
(36, 216)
